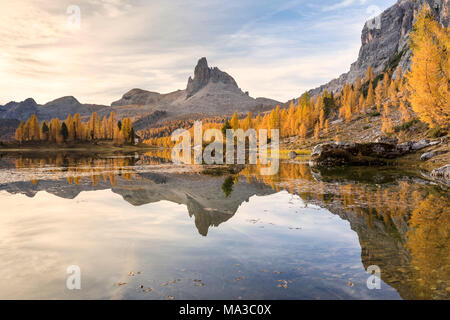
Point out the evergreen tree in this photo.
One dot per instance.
(64, 131)
(44, 131)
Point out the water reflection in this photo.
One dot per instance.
(401, 223)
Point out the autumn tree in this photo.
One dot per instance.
(369, 74)
(429, 78)
(370, 100)
(70, 126)
(19, 132)
(235, 121)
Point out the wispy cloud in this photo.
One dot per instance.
(272, 48)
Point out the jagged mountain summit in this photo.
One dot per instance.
(385, 40)
(203, 75)
(210, 92)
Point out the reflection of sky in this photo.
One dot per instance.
(107, 237)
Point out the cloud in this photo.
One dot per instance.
(273, 48)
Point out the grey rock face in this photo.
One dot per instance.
(380, 46)
(203, 75)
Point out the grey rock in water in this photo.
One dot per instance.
(427, 156)
(384, 40)
(353, 154)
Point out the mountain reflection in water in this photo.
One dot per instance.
(295, 230)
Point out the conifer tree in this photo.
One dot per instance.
(44, 131)
(235, 121)
(429, 78)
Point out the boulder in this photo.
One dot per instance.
(420, 145)
(405, 147)
(427, 156)
(384, 139)
(442, 172)
(345, 153)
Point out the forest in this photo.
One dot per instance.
(74, 130)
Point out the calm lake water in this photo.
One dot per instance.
(140, 228)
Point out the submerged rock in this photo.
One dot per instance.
(293, 155)
(347, 153)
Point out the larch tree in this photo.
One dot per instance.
(19, 132)
(370, 100)
(369, 74)
(70, 125)
(429, 78)
(235, 121)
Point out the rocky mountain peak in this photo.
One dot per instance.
(203, 75)
(385, 40)
(64, 101)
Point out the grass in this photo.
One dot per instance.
(405, 126)
(436, 132)
(284, 153)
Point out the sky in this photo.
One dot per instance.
(97, 50)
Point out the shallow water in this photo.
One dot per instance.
(138, 229)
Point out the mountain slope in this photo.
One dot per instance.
(386, 44)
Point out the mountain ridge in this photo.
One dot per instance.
(210, 92)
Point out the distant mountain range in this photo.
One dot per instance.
(210, 92)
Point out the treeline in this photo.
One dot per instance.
(73, 130)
